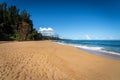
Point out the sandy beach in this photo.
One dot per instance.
(45, 60)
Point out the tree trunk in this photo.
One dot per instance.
(23, 30)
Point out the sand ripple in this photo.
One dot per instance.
(48, 61)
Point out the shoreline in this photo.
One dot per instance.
(45, 60)
(102, 53)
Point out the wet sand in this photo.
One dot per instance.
(44, 60)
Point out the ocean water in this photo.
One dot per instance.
(101, 46)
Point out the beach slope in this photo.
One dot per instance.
(45, 60)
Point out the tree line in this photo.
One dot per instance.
(17, 26)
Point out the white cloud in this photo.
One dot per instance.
(88, 37)
(50, 29)
(47, 31)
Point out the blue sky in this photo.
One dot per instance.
(75, 19)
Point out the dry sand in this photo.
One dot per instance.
(44, 60)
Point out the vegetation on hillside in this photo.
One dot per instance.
(17, 26)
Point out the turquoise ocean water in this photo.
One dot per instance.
(100, 47)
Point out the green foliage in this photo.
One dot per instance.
(35, 35)
(25, 16)
(10, 20)
(15, 37)
(50, 38)
(18, 26)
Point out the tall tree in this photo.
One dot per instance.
(11, 21)
(25, 26)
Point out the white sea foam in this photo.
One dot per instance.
(89, 47)
(108, 52)
(100, 49)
